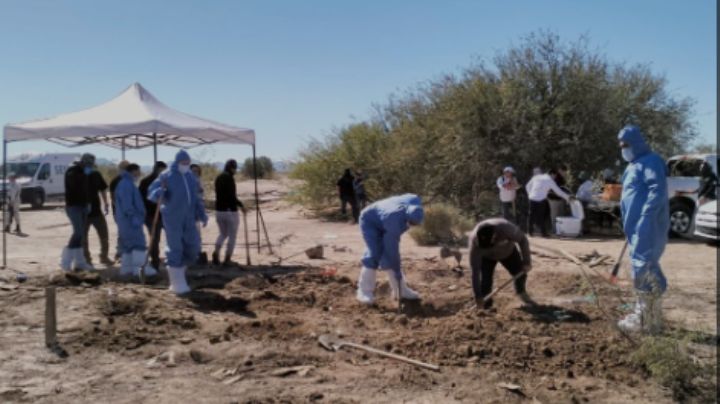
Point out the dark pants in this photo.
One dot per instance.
(344, 201)
(482, 278)
(539, 212)
(78, 217)
(154, 247)
(101, 227)
(508, 211)
(362, 201)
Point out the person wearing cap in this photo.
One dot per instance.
(150, 209)
(382, 225)
(226, 207)
(78, 203)
(13, 204)
(508, 186)
(180, 207)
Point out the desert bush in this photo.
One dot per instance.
(265, 168)
(666, 360)
(443, 225)
(540, 103)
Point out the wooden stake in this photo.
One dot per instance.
(50, 318)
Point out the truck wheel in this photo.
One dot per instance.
(681, 216)
(38, 200)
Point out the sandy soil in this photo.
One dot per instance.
(250, 335)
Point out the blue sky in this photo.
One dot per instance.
(296, 69)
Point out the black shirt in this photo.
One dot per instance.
(346, 184)
(77, 186)
(113, 184)
(226, 199)
(97, 184)
(144, 187)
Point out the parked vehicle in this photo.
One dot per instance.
(683, 185)
(707, 222)
(41, 176)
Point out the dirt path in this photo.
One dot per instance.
(251, 335)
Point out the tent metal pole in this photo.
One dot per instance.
(123, 149)
(4, 203)
(154, 148)
(257, 198)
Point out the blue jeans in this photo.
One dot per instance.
(78, 217)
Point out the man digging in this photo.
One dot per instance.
(495, 240)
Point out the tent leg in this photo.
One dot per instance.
(257, 198)
(154, 148)
(123, 149)
(4, 203)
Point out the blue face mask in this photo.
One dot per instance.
(87, 170)
(627, 154)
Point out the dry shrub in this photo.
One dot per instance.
(443, 224)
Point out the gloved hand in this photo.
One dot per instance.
(106, 210)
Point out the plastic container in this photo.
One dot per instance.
(570, 226)
(612, 192)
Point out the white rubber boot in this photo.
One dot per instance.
(405, 291)
(126, 266)
(652, 317)
(633, 322)
(66, 260)
(79, 259)
(366, 286)
(178, 283)
(138, 260)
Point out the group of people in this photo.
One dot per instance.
(169, 201)
(645, 215)
(547, 195)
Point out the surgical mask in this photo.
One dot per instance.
(87, 170)
(184, 168)
(627, 154)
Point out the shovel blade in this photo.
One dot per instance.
(329, 342)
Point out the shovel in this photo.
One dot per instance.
(332, 343)
(616, 268)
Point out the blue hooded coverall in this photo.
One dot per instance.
(382, 224)
(645, 211)
(129, 214)
(181, 207)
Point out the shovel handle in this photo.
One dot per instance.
(247, 245)
(393, 356)
(504, 285)
(616, 268)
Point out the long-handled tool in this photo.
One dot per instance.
(504, 285)
(153, 230)
(616, 268)
(332, 343)
(247, 244)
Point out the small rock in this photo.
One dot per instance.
(570, 374)
(316, 396)
(199, 356)
(186, 340)
(215, 339)
(548, 352)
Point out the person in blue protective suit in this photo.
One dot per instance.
(646, 222)
(382, 224)
(130, 216)
(180, 208)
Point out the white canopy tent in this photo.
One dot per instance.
(134, 119)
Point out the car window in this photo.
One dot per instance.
(685, 168)
(44, 172)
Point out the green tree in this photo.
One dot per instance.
(265, 167)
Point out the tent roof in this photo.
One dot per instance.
(133, 119)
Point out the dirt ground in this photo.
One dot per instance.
(250, 335)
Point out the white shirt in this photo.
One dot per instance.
(507, 194)
(584, 193)
(13, 194)
(539, 187)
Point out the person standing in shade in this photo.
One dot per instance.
(150, 209)
(226, 206)
(122, 165)
(96, 218)
(508, 186)
(77, 206)
(359, 188)
(13, 204)
(346, 191)
(181, 208)
(130, 215)
(538, 189)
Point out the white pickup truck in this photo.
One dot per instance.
(683, 184)
(41, 176)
